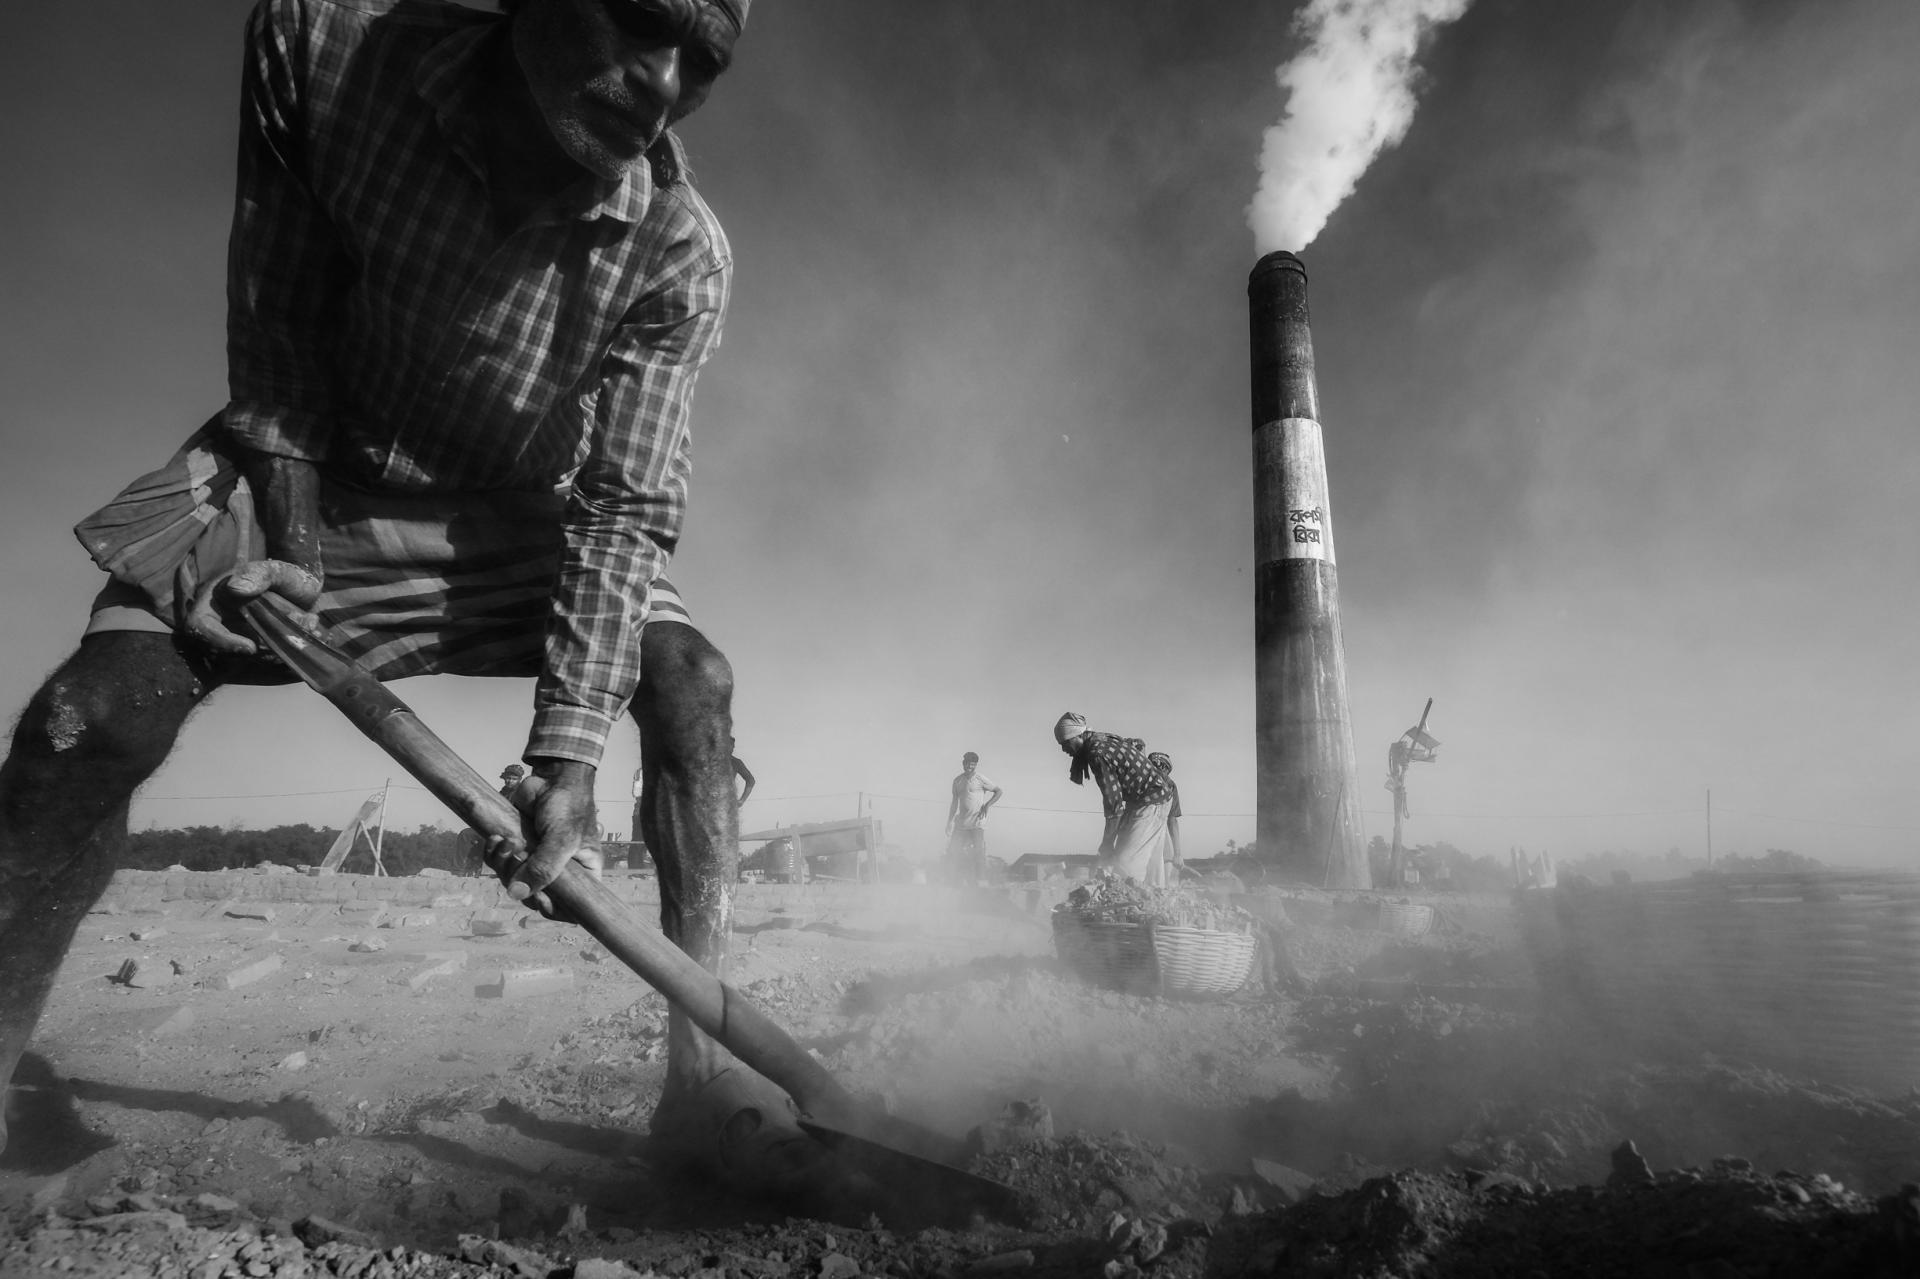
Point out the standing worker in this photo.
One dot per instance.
(973, 794)
(472, 842)
(1164, 762)
(1134, 795)
(636, 839)
(470, 288)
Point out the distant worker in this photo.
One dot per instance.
(637, 843)
(473, 845)
(1164, 762)
(1133, 793)
(973, 794)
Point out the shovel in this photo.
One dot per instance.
(911, 1165)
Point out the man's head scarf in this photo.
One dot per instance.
(1069, 726)
(736, 12)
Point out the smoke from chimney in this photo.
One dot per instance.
(1349, 97)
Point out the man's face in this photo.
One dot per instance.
(968, 765)
(609, 76)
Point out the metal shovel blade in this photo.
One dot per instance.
(920, 1186)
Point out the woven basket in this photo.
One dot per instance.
(1405, 919)
(1152, 958)
(1815, 974)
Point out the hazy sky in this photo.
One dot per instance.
(1619, 356)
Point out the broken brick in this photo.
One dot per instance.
(155, 1022)
(121, 1222)
(247, 974)
(315, 1231)
(1292, 1184)
(523, 983)
(490, 924)
(445, 968)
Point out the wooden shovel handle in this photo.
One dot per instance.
(708, 1002)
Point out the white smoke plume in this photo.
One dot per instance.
(1349, 97)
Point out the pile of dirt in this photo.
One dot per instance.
(1107, 899)
(1725, 1221)
(1432, 1084)
(1113, 1208)
(1380, 1105)
(1079, 1182)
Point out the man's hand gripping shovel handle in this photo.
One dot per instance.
(707, 1001)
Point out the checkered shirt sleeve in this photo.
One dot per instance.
(284, 263)
(626, 508)
(1124, 773)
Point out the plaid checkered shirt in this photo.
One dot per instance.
(1123, 773)
(383, 323)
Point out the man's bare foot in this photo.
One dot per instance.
(742, 1131)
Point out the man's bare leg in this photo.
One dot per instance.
(713, 1111)
(94, 732)
(688, 817)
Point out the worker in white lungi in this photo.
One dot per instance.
(1135, 796)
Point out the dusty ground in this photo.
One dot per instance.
(1382, 1106)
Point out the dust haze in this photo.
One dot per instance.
(1616, 364)
(1615, 382)
(1613, 369)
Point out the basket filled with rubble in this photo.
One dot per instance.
(1126, 936)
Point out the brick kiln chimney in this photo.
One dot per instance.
(1307, 824)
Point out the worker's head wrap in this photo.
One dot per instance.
(734, 11)
(1161, 760)
(513, 771)
(1072, 732)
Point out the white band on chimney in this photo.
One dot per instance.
(1292, 520)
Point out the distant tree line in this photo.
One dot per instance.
(1440, 863)
(1774, 859)
(223, 848)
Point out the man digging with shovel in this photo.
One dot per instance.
(470, 287)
